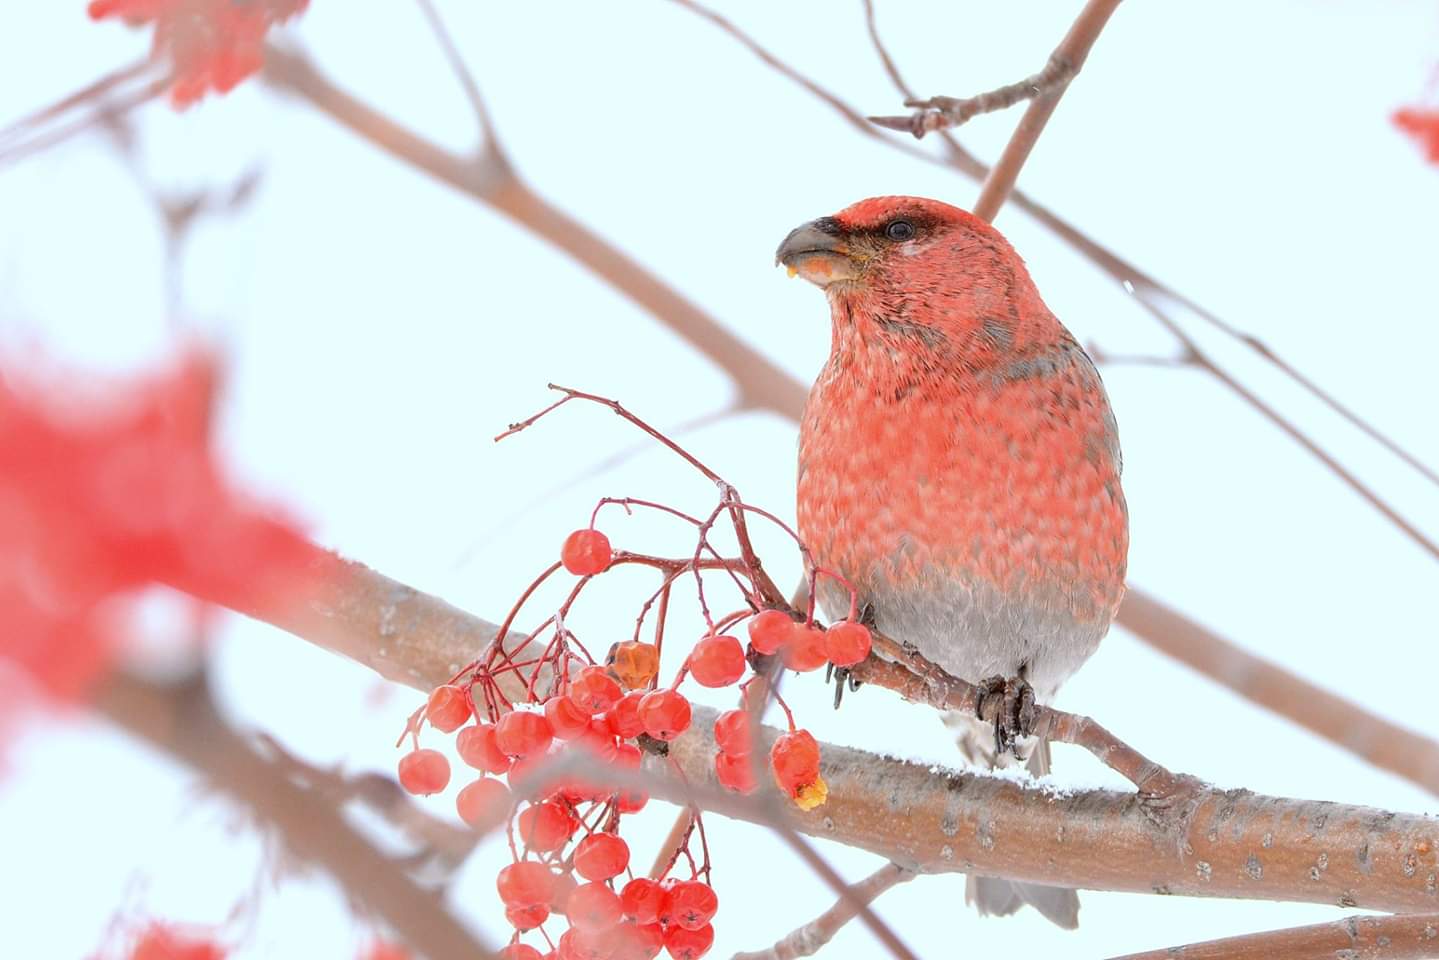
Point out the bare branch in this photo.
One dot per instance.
(1064, 64)
(805, 941)
(1408, 937)
(181, 720)
(939, 113)
(462, 73)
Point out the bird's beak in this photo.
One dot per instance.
(816, 251)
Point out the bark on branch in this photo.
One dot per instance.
(1409, 937)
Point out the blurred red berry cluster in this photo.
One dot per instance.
(1423, 125)
(210, 44)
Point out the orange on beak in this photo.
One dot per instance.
(816, 252)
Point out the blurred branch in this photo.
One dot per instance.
(462, 73)
(1064, 65)
(807, 940)
(115, 94)
(1215, 843)
(180, 719)
(491, 181)
(1406, 937)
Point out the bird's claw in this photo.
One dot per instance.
(843, 678)
(1007, 702)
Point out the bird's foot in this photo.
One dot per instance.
(1008, 703)
(843, 678)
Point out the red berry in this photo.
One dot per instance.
(577, 944)
(520, 733)
(686, 944)
(565, 884)
(594, 689)
(527, 917)
(629, 941)
(545, 827)
(689, 904)
(717, 661)
(847, 643)
(159, 942)
(795, 760)
(806, 649)
(525, 883)
(476, 746)
(519, 951)
(522, 775)
(623, 718)
(448, 708)
(642, 899)
(586, 552)
(770, 631)
(665, 713)
(732, 732)
(593, 906)
(600, 740)
(631, 801)
(735, 772)
(566, 718)
(424, 772)
(601, 856)
(484, 800)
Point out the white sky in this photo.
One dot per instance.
(382, 328)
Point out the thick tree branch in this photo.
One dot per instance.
(807, 940)
(1218, 843)
(1408, 937)
(181, 720)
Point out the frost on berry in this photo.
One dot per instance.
(448, 708)
(642, 899)
(482, 801)
(545, 827)
(520, 733)
(665, 714)
(806, 650)
(567, 719)
(525, 884)
(601, 856)
(586, 552)
(424, 772)
(594, 690)
(717, 661)
(847, 643)
(477, 746)
(770, 630)
(685, 944)
(634, 664)
(593, 906)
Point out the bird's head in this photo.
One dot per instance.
(876, 240)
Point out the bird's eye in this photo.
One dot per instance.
(899, 230)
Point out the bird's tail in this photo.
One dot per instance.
(995, 896)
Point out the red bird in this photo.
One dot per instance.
(959, 464)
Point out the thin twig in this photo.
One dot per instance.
(1065, 63)
(805, 941)
(1404, 937)
(462, 73)
(940, 113)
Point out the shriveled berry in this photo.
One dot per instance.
(665, 714)
(795, 761)
(525, 883)
(477, 746)
(634, 663)
(735, 772)
(527, 917)
(689, 904)
(566, 718)
(624, 717)
(594, 689)
(484, 800)
(732, 732)
(684, 944)
(545, 827)
(448, 708)
(586, 552)
(424, 772)
(717, 661)
(601, 856)
(519, 951)
(805, 650)
(642, 899)
(520, 733)
(593, 906)
(770, 631)
(847, 643)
